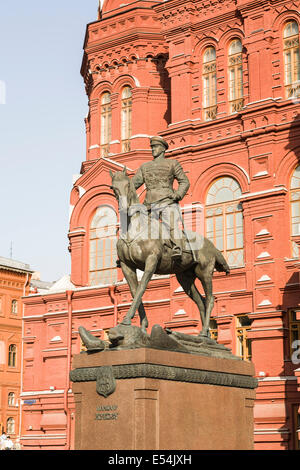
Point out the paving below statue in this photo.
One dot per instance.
(132, 337)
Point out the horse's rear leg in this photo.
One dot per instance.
(150, 267)
(205, 276)
(186, 280)
(132, 280)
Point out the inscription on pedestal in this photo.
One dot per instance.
(107, 412)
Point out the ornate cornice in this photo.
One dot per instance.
(162, 372)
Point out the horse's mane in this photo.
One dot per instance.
(120, 176)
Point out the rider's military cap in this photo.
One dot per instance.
(159, 140)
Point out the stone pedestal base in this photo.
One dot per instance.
(162, 400)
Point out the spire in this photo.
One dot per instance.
(100, 9)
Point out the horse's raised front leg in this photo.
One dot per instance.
(150, 267)
(132, 280)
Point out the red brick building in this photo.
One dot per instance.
(14, 284)
(220, 82)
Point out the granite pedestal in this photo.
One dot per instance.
(155, 399)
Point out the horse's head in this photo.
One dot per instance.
(123, 188)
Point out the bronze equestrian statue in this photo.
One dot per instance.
(137, 248)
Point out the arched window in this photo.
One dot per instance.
(12, 353)
(235, 75)
(10, 426)
(126, 114)
(11, 399)
(14, 307)
(209, 77)
(103, 255)
(291, 59)
(224, 219)
(295, 209)
(105, 123)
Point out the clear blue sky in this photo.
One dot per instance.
(42, 129)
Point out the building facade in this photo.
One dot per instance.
(14, 284)
(220, 82)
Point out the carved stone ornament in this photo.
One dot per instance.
(162, 372)
(106, 382)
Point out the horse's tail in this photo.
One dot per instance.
(220, 263)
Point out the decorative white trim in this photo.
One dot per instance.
(77, 231)
(263, 231)
(54, 349)
(230, 291)
(140, 135)
(136, 81)
(260, 173)
(244, 171)
(96, 146)
(42, 392)
(277, 378)
(192, 207)
(260, 101)
(181, 311)
(266, 191)
(82, 191)
(43, 437)
(271, 431)
(264, 302)
(116, 163)
(180, 122)
(269, 329)
(263, 278)
(179, 289)
(96, 309)
(71, 208)
(263, 254)
(56, 338)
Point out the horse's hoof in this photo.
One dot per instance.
(126, 322)
(204, 334)
(92, 343)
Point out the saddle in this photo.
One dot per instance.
(190, 242)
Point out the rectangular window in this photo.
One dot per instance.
(224, 227)
(243, 349)
(213, 329)
(103, 257)
(126, 118)
(294, 329)
(291, 66)
(296, 426)
(236, 84)
(12, 352)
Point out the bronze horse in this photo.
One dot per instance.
(153, 256)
